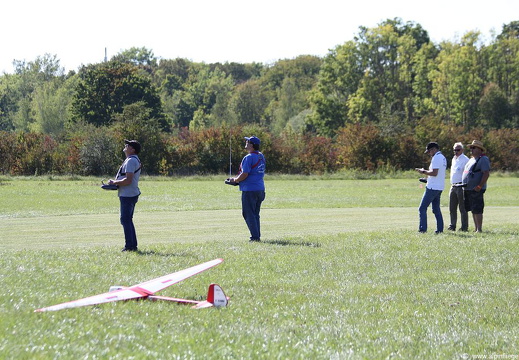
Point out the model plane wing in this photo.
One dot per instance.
(163, 282)
(124, 294)
(142, 290)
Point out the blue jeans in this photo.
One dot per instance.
(250, 206)
(127, 209)
(430, 197)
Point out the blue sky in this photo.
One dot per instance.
(78, 31)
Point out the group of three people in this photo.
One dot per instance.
(468, 184)
(249, 179)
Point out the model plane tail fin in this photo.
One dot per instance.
(215, 297)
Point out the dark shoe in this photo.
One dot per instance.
(129, 249)
(464, 230)
(254, 240)
(451, 228)
(438, 232)
(422, 231)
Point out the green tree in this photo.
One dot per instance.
(371, 77)
(137, 56)
(99, 153)
(387, 54)
(303, 70)
(105, 89)
(288, 84)
(17, 90)
(424, 63)
(338, 79)
(239, 72)
(136, 121)
(200, 121)
(459, 80)
(510, 30)
(503, 67)
(249, 103)
(290, 102)
(50, 105)
(206, 93)
(494, 107)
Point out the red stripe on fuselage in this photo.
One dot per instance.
(141, 291)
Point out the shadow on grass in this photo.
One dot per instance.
(159, 253)
(291, 243)
(471, 234)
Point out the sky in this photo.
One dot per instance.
(263, 31)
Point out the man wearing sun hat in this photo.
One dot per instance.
(475, 176)
(252, 187)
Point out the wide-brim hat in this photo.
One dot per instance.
(478, 144)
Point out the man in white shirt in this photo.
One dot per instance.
(456, 193)
(434, 188)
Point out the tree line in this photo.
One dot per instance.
(370, 103)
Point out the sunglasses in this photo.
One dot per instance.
(456, 150)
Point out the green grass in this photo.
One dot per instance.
(341, 272)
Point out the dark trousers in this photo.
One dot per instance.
(127, 209)
(251, 205)
(456, 200)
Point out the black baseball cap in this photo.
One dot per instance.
(134, 144)
(430, 146)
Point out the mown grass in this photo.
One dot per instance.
(341, 273)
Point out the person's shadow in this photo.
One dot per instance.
(160, 253)
(291, 243)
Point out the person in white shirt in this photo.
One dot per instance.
(456, 199)
(434, 188)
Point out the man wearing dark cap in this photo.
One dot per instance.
(475, 176)
(127, 180)
(434, 187)
(252, 186)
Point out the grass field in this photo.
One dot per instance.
(341, 272)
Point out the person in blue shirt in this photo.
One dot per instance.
(252, 186)
(475, 176)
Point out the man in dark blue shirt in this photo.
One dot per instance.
(252, 186)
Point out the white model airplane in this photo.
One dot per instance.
(146, 290)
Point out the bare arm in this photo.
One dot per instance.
(127, 180)
(240, 177)
(484, 179)
(432, 172)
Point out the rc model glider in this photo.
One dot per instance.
(146, 290)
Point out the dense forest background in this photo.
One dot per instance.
(371, 103)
